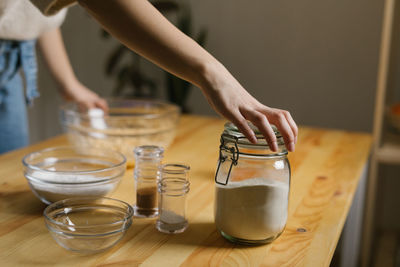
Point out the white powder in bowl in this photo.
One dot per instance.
(52, 187)
(253, 209)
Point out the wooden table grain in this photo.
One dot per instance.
(326, 167)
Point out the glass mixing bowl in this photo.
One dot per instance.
(58, 173)
(88, 225)
(128, 124)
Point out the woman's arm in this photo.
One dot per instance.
(52, 48)
(143, 29)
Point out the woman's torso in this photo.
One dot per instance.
(21, 20)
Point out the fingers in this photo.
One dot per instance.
(292, 125)
(86, 105)
(244, 127)
(279, 119)
(92, 103)
(102, 103)
(261, 121)
(85, 98)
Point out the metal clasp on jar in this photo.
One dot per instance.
(233, 150)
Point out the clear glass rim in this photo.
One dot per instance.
(70, 109)
(52, 229)
(149, 151)
(165, 182)
(88, 131)
(175, 168)
(96, 182)
(25, 160)
(90, 202)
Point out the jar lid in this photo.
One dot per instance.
(235, 145)
(232, 133)
(149, 151)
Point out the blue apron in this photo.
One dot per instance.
(17, 60)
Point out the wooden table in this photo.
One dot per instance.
(326, 168)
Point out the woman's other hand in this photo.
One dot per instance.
(86, 99)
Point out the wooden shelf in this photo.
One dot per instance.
(389, 152)
(386, 149)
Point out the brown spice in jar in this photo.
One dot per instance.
(146, 200)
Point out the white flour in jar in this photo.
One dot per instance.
(253, 209)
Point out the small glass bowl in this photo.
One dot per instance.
(58, 173)
(88, 225)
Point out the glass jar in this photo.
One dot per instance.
(173, 188)
(252, 188)
(147, 175)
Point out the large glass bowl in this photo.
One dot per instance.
(65, 172)
(88, 225)
(129, 123)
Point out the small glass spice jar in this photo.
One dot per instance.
(252, 188)
(173, 188)
(147, 175)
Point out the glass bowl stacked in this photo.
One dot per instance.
(59, 173)
(88, 225)
(128, 124)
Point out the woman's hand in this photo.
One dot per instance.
(86, 99)
(56, 58)
(231, 100)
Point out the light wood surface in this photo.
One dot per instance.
(326, 168)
